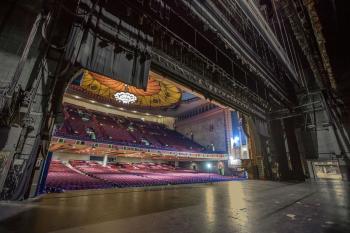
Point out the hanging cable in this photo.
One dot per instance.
(44, 33)
(279, 23)
(25, 54)
(47, 22)
(288, 43)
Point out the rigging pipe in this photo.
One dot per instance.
(262, 26)
(216, 26)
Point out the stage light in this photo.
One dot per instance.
(230, 158)
(208, 165)
(236, 139)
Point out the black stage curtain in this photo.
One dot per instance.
(103, 42)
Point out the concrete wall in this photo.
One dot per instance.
(327, 142)
(16, 25)
(207, 128)
(323, 135)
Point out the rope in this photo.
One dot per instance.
(25, 53)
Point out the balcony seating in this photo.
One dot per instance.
(83, 124)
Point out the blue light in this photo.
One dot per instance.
(236, 139)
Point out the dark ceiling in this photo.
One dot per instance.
(335, 18)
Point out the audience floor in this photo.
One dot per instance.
(236, 206)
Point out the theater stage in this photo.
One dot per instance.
(236, 206)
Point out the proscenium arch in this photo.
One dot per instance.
(60, 73)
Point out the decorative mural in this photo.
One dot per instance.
(159, 93)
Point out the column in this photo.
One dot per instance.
(105, 160)
(228, 128)
(280, 150)
(294, 154)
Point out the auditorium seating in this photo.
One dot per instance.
(95, 176)
(83, 124)
(61, 178)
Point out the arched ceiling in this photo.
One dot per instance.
(159, 93)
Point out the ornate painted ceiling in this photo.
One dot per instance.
(159, 93)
